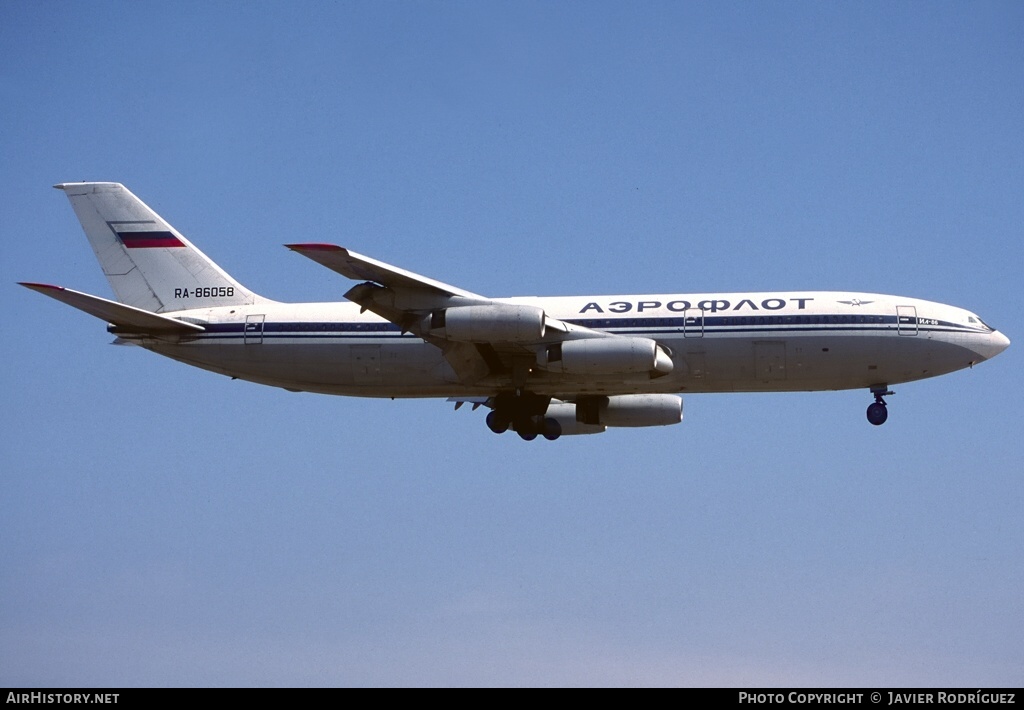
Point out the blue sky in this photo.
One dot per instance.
(167, 526)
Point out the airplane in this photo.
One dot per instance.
(543, 366)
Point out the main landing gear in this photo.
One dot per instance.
(528, 428)
(877, 412)
(525, 413)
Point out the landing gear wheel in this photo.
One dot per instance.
(497, 423)
(527, 434)
(877, 413)
(552, 429)
(528, 428)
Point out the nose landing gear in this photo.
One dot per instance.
(877, 412)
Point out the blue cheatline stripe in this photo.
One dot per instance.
(649, 327)
(741, 324)
(724, 324)
(730, 321)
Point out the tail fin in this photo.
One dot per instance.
(148, 263)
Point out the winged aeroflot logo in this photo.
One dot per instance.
(856, 302)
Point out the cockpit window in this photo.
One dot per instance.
(977, 320)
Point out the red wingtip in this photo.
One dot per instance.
(314, 247)
(35, 286)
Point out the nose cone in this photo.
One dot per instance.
(999, 343)
(990, 346)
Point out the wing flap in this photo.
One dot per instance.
(126, 318)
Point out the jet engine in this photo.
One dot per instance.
(630, 410)
(565, 414)
(494, 323)
(606, 356)
(593, 415)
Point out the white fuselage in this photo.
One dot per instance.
(733, 342)
(544, 366)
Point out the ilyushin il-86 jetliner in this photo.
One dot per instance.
(544, 366)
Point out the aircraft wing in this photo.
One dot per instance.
(127, 318)
(410, 301)
(362, 268)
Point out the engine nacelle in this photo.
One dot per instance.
(630, 410)
(495, 323)
(606, 356)
(565, 414)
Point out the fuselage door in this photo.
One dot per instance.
(254, 329)
(693, 323)
(365, 364)
(906, 320)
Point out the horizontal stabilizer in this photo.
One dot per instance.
(127, 318)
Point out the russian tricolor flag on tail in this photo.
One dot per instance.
(148, 240)
(150, 265)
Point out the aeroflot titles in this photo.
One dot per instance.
(711, 304)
